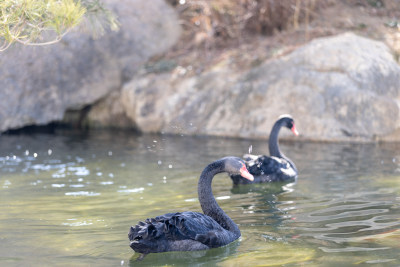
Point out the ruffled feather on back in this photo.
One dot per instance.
(178, 231)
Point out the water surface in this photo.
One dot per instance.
(69, 199)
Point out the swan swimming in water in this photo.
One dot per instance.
(274, 168)
(188, 231)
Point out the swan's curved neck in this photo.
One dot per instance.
(208, 203)
(273, 143)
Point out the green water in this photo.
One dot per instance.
(69, 200)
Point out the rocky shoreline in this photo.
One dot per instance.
(339, 88)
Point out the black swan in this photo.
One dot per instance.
(277, 167)
(189, 231)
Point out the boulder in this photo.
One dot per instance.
(340, 88)
(39, 84)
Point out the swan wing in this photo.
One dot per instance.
(172, 227)
(264, 165)
(248, 157)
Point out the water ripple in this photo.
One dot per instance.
(82, 193)
(352, 220)
(133, 190)
(351, 249)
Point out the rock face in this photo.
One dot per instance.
(342, 88)
(39, 84)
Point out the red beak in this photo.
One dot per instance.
(245, 173)
(294, 130)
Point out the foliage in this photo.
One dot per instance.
(40, 22)
(219, 21)
(99, 17)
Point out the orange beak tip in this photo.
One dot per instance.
(295, 132)
(250, 177)
(245, 174)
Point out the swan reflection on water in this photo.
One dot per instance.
(266, 188)
(186, 258)
(263, 208)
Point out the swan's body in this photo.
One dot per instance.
(188, 231)
(274, 168)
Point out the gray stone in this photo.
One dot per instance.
(39, 84)
(341, 88)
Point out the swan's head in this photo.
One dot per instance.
(236, 166)
(287, 121)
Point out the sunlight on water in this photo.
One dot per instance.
(70, 199)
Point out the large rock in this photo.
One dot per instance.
(337, 88)
(39, 84)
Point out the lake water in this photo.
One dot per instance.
(69, 199)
